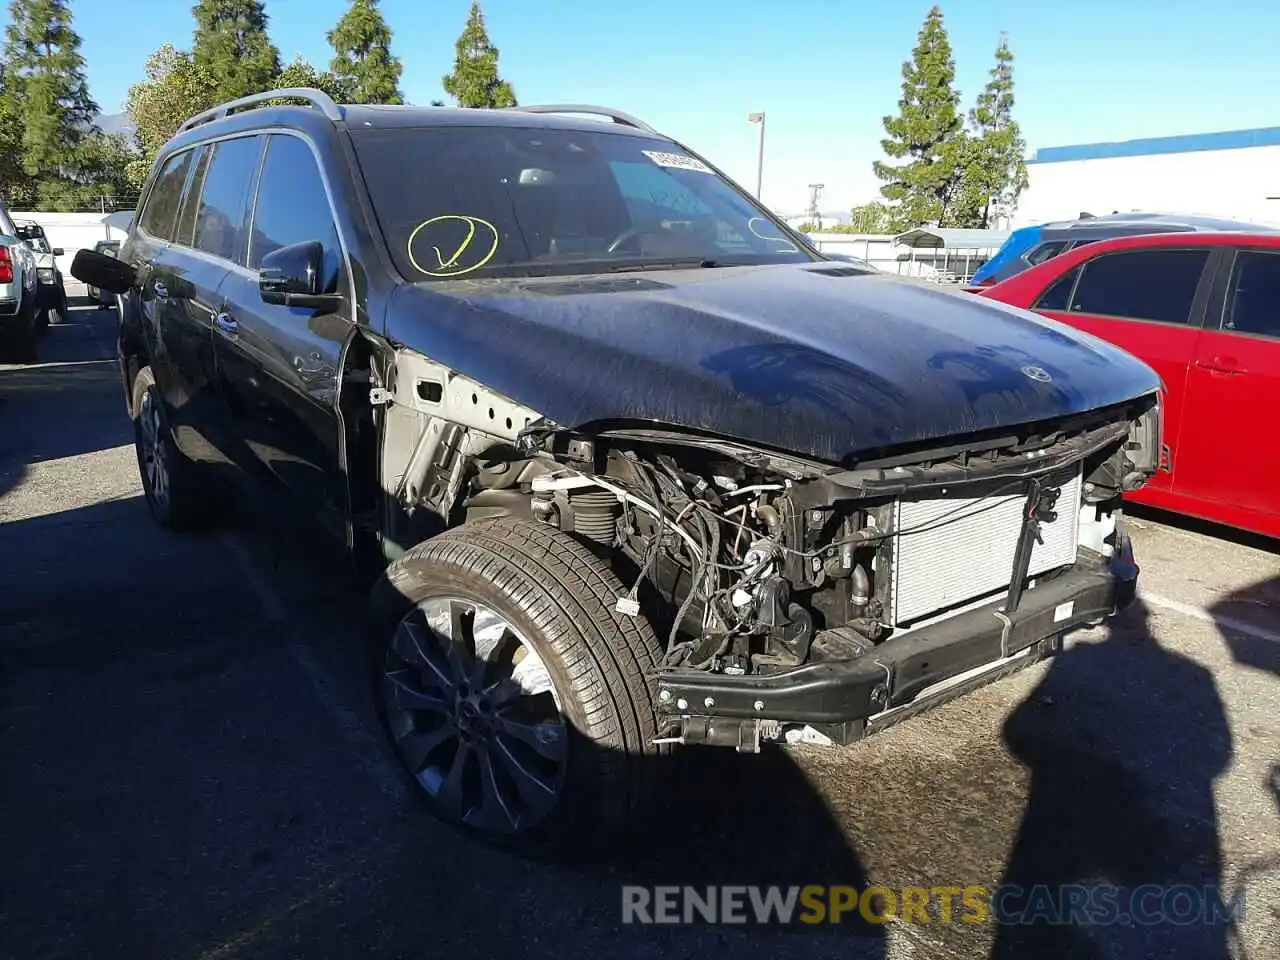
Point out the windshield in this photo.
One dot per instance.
(507, 201)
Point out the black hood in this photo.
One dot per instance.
(811, 359)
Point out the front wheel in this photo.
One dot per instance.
(171, 483)
(517, 698)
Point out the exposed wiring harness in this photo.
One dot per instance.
(697, 524)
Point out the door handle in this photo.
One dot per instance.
(161, 291)
(226, 323)
(1226, 366)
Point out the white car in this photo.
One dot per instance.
(51, 292)
(21, 320)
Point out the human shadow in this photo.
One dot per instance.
(1123, 740)
(1248, 618)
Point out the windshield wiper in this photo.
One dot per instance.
(667, 265)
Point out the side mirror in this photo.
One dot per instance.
(291, 277)
(58, 251)
(105, 273)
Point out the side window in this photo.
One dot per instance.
(185, 232)
(1254, 306)
(165, 197)
(1046, 251)
(293, 207)
(220, 221)
(1155, 285)
(1059, 293)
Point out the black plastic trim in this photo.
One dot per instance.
(901, 668)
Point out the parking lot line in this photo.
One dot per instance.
(1218, 620)
(371, 753)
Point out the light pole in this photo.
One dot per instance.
(815, 218)
(759, 118)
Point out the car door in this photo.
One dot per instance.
(148, 252)
(1229, 456)
(1148, 302)
(278, 366)
(208, 245)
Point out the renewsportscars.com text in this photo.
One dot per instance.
(1072, 904)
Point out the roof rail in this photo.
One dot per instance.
(316, 98)
(617, 116)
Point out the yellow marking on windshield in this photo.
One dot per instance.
(462, 259)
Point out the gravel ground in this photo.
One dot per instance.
(191, 768)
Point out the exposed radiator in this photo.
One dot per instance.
(967, 550)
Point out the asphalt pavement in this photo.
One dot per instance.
(191, 768)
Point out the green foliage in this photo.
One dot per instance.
(300, 73)
(232, 46)
(175, 88)
(362, 59)
(994, 170)
(873, 217)
(474, 81)
(46, 90)
(923, 131)
(103, 159)
(16, 184)
(950, 175)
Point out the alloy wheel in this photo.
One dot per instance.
(151, 450)
(475, 716)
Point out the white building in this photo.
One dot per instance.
(1235, 174)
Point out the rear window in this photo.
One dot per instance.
(1254, 304)
(1157, 285)
(1046, 251)
(493, 201)
(1014, 246)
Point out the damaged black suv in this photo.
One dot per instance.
(636, 465)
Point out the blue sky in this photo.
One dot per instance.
(824, 71)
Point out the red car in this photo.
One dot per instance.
(1203, 309)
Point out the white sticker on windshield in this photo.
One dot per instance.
(677, 160)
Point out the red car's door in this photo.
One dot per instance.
(1148, 302)
(1229, 455)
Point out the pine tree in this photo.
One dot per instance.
(474, 81)
(231, 45)
(927, 132)
(302, 73)
(16, 187)
(45, 89)
(997, 173)
(362, 59)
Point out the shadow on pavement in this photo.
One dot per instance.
(1246, 618)
(1207, 528)
(192, 775)
(69, 403)
(1123, 740)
